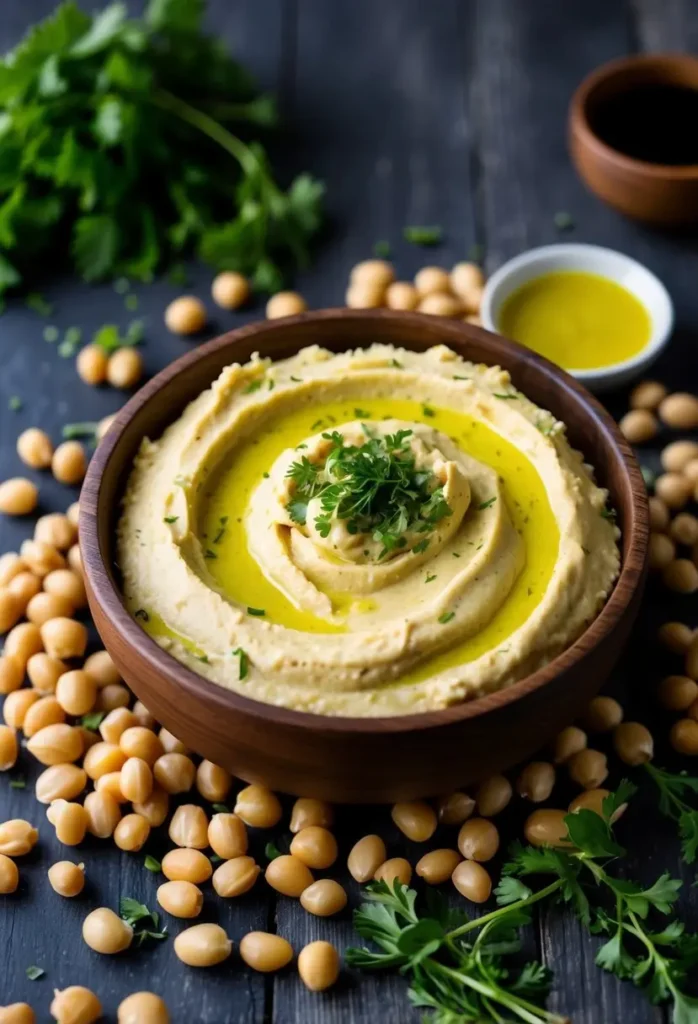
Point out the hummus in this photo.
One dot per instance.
(379, 532)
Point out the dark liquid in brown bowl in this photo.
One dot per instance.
(655, 123)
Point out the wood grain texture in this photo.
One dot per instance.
(473, 128)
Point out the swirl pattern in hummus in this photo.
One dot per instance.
(321, 616)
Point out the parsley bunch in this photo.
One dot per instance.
(376, 488)
(673, 791)
(115, 145)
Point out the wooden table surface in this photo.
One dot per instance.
(452, 113)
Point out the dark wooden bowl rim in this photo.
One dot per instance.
(106, 593)
(615, 68)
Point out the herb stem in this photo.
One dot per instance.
(479, 922)
(524, 1010)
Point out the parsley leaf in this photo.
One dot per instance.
(423, 235)
(243, 664)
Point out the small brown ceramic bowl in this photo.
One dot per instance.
(361, 759)
(654, 193)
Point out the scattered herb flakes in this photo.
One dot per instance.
(271, 384)
(649, 476)
(170, 519)
(151, 864)
(18, 783)
(420, 546)
(221, 808)
(476, 252)
(486, 504)
(14, 403)
(51, 334)
(256, 611)
(131, 303)
(141, 613)
(254, 385)
(316, 424)
(203, 658)
(446, 617)
(272, 851)
(93, 720)
(396, 364)
(210, 554)
(456, 554)
(362, 414)
(423, 235)
(563, 221)
(74, 430)
(33, 972)
(140, 918)
(505, 397)
(243, 663)
(38, 304)
(265, 475)
(429, 578)
(381, 250)
(122, 285)
(609, 513)
(216, 858)
(72, 336)
(428, 411)
(296, 380)
(457, 377)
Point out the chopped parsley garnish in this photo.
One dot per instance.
(219, 536)
(421, 546)
(203, 658)
(396, 364)
(93, 720)
(254, 385)
(381, 249)
(73, 430)
(36, 302)
(271, 384)
(418, 235)
(297, 380)
(456, 377)
(272, 851)
(151, 864)
(143, 921)
(244, 663)
(563, 221)
(131, 303)
(221, 808)
(503, 396)
(18, 783)
(456, 554)
(609, 513)
(51, 334)
(141, 613)
(487, 504)
(428, 578)
(428, 411)
(256, 611)
(476, 252)
(171, 519)
(121, 285)
(446, 617)
(15, 403)
(35, 972)
(210, 554)
(375, 488)
(362, 414)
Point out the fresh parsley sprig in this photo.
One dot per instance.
(145, 923)
(673, 789)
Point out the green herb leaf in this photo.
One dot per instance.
(486, 504)
(14, 403)
(271, 851)
(381, 250)
(70, 431)
(446, 617)
(423, 235)
(35, 972)
(256, 611)
(151, 864)
(93, 720)
(36, 302)
(18, 783)
(221, 808)
(563, 221)
(243, 664)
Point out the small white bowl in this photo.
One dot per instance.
(595, 259)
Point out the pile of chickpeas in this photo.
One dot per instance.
(434, 291)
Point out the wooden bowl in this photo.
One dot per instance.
(361, 759)
(654, 193)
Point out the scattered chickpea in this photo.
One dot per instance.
(131, 833)
(75, 559)
(10, 610)
(659, 514)
(493, 795)
(394, 869)
(673, 489)
(180, 898)
(230, 290)
(76, 692)
(103, 758)
(365, 295)
(17, 1013)
(104, 425)
(70, 821)
(437, 866)
(439, 304)
(676, 636)
(378, 272)
(115, 724)
(24, 586)
(227, 836)
(125, 368)
(11, 564)
(45, 711)
(103, 814)
(9, 875)
(633, 744)
(588, 768)
(18, 497)
(91, 364)
(171, 745)
(265, 952)
(285, 304)
(17, 837)
(56, 744)
(324, 898)
(681, 575)
(113, 696)
(186, 315)
(639, 426)
(213, 782)
(415, 819)
(567, 743)
(679, 410)
(315, 846)
(472, 881)
(288, 875)
(142, 1008)
(11, 675)
(184, 865)
(546, 827)
(105, 932)
(468, 281)
(155, 809)
(73, 513)
(175, 773)
(647, 395)
(202, 945)
(75, 1005)
(684, 529)
(603, 714)
(236, 876)
(141, 712)
(684, 736)
(365, 857)
(690, 471)
(536, 781)
(678, 454)
(318, 965)
(141, 742)
(16, 705)
(66, 878)
(309, 811)
(662, 550)
(676, 693)
(401, 295)
(478, 839)
(258, 807)
(432, 281)
(41, 558)
(66, 584)
(35, 448)
(8, 748)
(69, 463)
(454, 808)
(189, 827)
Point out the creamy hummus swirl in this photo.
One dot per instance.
(370, 630)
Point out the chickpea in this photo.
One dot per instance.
(258, 807)
(315, 847)
(45, 711)
(170, 743)
(401, 295)
(678, 454)
(378, 272)
(603, 714)
(679, 410)
(102, 758)
(22, 641)
(265, 952)
(9, 875)
(35, 448)
(365, 857)
(64, 638)
(66, 878)
(23, 587)
(227, 836)
(661, 550)
(676, 693)
(546, 827)
(681, 575)
(684, 529)
(415, 819)
(394, 869)
(57, 530)
(690, 471)
(536, 781)
(438, 304)
(142, 714)
(60, 782)
(131, 833)
(691, 663)
(473, 318)
(104, 425)
(110, 783)
(236, 876)
(692, 711)
(76, 692)
(673, 489)
(75, 559)
(676, 636)
(472, 881)
(91, 364)
(568, 742)
(365, 295)
(10, 610)
(56, 744)
(11, 565)
(307, 811)
(318, 965)
(142, 1008)
(478, 839)
(69, 463)
(115, 723)
(639, 426)
(230, 290)
(106, 933)
(202, 945)
(16, 705)
(11, 675)
(288, 875)
(70, 821)
(41, 558)
(684, 736)
(213, 782)
(8, 748)
(125, 368)
(186, 315)
(647, 395)
(189, 827)
(285, 304)
(324, 898)
(184, 865)
(73, 513)
(140, 742)
(493, 795)
(437, 866)
(432, 280)
(592, 800)
(588, 768)
(155, 809)
(113, 696)
(181, 899)
(467, 281)
(136, 780)
(17, 837)
(43, 607)
(175, 773)
(18, 497)
(75, 1005)
(659, 514)
(103, 814)
(45, 671)
(102, 669)
(454, 808)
